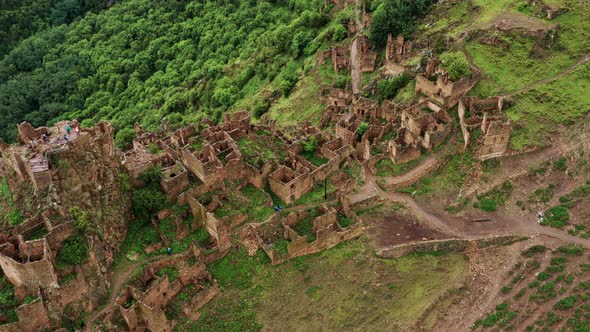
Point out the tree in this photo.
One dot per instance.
(309, 145)
(74, 251)
(455, 63)
(388, 88)
(362, 129)
(396, 17)
(124, 137)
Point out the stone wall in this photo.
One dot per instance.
(450, 245)
(31, 317)
(27, 276)
(27, 134)
(290, 184)
(174, 181)
(495, 141)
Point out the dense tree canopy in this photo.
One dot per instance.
(21, 18)
(144, 61)
(395, 16)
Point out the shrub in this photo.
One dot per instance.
(147, 201)
(362, 129)
(339, 33)
(571, 249)
(389, 88)
(538, 248)
(541, 195)
(260, 108)
(14, 217)
(557, 216)
(341, 81)
(543, 276)
(124, 137)
(488, 205)
(565, 303)
(534, 284)
(80, 218)
(456, 65)
(560, 164)
(74, 251)
(310, 144)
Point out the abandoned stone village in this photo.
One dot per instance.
(204, 166)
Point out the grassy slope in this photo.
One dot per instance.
(536, 112)
(345, 288)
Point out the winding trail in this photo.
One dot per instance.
(425, 165)
(463, 227)
(565, 72)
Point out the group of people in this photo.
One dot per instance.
(66, 136)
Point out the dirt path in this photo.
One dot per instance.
(463, 227)
(426, 165)
(584, 59)
(565, 72)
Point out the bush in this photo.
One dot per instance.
(488, 205)
(124, 137)
(557, 216)
(14, 217)
(538, 248)
(571, 249)
(541, 195)
(455, 63)
(565, 303)
(362, 129)
(560, 164)
(260, 108)
(389, 88)
(396, 17)
(147, 201)
(309, 145)
(339, 33)
(80, 218)
(341, 81)
(74, 251)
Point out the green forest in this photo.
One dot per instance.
(145, 61)
(148, 62)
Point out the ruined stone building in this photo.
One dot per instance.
(442, 90)
(31, 160)
(367, 56)
(327, 231)
(143, 308)
(337, 102)
(398, 49)
(340, 56)
(424, 126)
(291, 182)
(487, 116)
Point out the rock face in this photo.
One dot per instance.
(61, 177)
